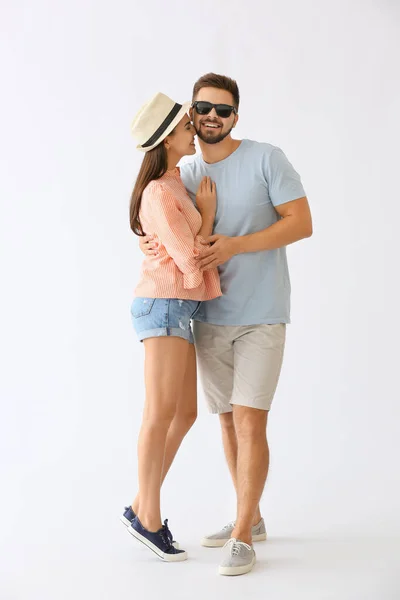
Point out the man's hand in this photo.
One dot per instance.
(148, 246)
(222, 249)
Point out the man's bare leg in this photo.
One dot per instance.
(252, 466)
(230, 443)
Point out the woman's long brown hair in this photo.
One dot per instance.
(154, 165)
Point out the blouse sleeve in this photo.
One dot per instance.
(174, 233)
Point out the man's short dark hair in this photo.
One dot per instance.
(220, 82)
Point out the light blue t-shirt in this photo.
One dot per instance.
(250, 182)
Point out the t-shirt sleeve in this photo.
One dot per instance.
(284, 183)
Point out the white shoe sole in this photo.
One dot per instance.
(210, 543)
(162, 555)
(127, 523)
(237, 570)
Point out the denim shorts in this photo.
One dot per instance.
(155, 317)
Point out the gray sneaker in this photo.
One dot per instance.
(238, 558)
(220, 538)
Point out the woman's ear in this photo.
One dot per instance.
(166, 143)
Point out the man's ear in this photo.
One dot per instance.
(191, 114)
(236, 120)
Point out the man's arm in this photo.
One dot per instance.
(295, 224)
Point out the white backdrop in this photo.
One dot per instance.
(319, 80)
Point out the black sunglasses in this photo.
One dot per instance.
(223, 110)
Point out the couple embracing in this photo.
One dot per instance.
(214, 286)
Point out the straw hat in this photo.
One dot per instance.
(155, 120)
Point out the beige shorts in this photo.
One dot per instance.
(239, 364)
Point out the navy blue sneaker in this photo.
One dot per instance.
(158, 541)
(128, 516)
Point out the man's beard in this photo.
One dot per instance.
(213, 140)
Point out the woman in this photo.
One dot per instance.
(166, 298)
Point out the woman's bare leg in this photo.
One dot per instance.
(185, 416)
(165, 367)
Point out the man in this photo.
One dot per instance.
(240, 336)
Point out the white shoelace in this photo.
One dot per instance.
(235, 546)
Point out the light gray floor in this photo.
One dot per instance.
(61, 538)
(103, 562)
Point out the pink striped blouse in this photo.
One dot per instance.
(168, 213)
